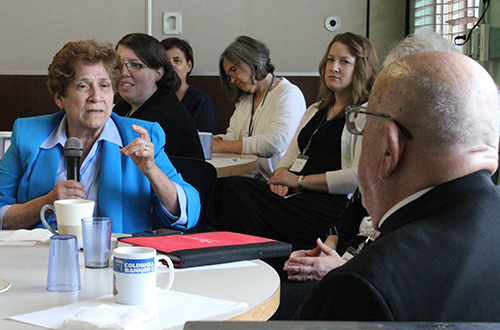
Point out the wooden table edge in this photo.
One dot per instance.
(263, 311)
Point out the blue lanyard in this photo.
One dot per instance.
(250, 128)
(322, 123)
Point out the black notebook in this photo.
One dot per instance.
(212, 248)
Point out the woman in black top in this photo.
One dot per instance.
(147, 87)
(196, 101)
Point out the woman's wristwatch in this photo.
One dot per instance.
(301, 182)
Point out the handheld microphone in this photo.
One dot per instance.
(73, 151)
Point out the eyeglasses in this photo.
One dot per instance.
(232, 70)
(356, 123)
(134, 66)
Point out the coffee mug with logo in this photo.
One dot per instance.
(134, 275)
(69, 214)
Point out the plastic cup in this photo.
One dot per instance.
(64, 268)
(4, 142)
(207, 143)
(96, 241)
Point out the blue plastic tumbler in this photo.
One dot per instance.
(96, 241)
(64, 267)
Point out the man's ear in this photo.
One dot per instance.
(393, 150)
(59, 101)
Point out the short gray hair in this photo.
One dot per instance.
(253, 53)
(420, 41)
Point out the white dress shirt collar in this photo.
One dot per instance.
(402, 203)
(109, 133)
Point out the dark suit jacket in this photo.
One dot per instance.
(437, 259)
(180, 129)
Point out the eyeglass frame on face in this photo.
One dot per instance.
(353, 129)
(231, 71)
(134, 66)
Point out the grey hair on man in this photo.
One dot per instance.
(426, 40)
(417, 42)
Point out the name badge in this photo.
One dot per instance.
(299, 163)
(350, 253)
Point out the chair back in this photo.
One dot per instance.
(202, 176)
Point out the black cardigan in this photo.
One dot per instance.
(180, 129)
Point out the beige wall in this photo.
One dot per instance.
(387, 25)
(33, 30)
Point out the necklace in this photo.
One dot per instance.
(322, 123)
(128, 113)
(334, 112)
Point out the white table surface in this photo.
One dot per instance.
(25, 267)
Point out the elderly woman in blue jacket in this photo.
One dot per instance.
(123, 166)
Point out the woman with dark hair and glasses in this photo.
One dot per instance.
(196, 101)
(147, 86)
(268, 108)
(309, 187)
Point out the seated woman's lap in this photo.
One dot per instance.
(248, 206)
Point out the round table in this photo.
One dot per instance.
(25, 267)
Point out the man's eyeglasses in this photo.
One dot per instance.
(232, 71)
(355, 119)
(134, 66)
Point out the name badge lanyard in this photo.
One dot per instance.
(352, 252)
(301, 160)
(250, 127)
(320, 125)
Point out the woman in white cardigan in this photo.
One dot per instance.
(268, 108)
(309, 187)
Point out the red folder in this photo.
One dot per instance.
(212, 247)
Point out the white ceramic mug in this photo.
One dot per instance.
(69, 214)
(134, 275)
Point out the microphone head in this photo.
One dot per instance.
(73, 147)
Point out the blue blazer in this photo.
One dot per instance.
(125, 194)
